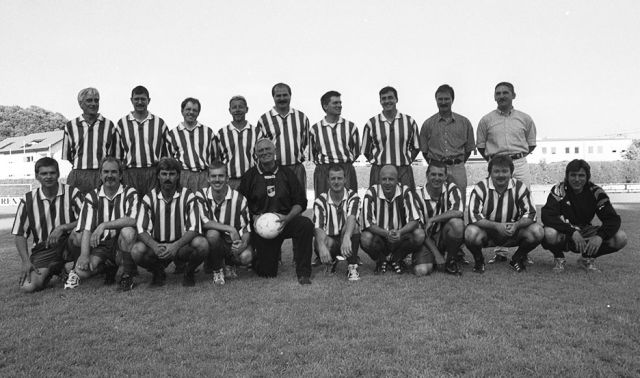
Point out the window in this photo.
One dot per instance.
(566, 150)
(553, 150)
(28, 159)
(590, 149)
(577, 150)
(544, 150)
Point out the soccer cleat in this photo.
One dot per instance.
(560, 266)
(126, 282)
(304, 281)
(316, 262)
(588, 264)
(189, 279)
(453, 268)
(478, 267)
(381, 267)
(518, 266)
(396, 267)
(498, 257)
(230, 272)
(73, 280)
(218, 277)
(352, 272)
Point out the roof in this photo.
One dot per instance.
(31, 142)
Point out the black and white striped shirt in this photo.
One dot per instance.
(85, 145)
(232, 210)
(235, 148)
(98, 209)
(512, 205)
(390, 214)
(332, 217)
(141, 144)
(290, 134)
(394, 142)
(194, 149)
(334, 143)
(167, 219)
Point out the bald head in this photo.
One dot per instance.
(389, 170)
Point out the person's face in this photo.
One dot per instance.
(577, 180)
(140, 102)
(90, 105)
(265, 153)
(436, 176)
(500, 175)
(504, 97)
(190, 113)
(281, 97)
(444, 101)
(218, 178)
(334, 107)
(336, 180)
(110, 174)
(388, 181)
(48, 176)
(238, 110)
(168, 179)
(388, 101)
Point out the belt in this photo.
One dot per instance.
(446, 161)
(517, 156)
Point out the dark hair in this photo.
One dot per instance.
(326, 98)
(140, 90)
(446, 88)
(188, 100)
(168, 164)
(283, 85)
(501, 161)
(577, 164)
(47, 162)
(388, 89)
(217, 164)
(111, 159)
(437, 164)
(506, 84)
(336, 168)
(238, 98)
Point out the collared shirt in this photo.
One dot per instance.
(98, 209)
(450, 198)
(38, 216)
(141, 144)
(394, 142)
(232, 210)
(167, 219)
(512, 205)
(443, 139)
(194, 148)
(85, 145)
(290, 134)
(390, 214)
(334, 142)
(331, 216)
(234, 147)
(506, 133)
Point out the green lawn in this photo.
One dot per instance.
(497, 324)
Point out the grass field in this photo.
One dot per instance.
(497, 324)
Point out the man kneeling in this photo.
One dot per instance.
(501, 214)
(168, 226)
(567, 216)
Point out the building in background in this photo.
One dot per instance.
(19, 154)
(590, 149)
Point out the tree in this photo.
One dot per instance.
(17, 121)
(633, 152)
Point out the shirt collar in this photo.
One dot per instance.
(510, 185)
(101, 193)
(227, 196)
(274, 112)
(130, 117)
(262, 172)
(246, 127)
(182, 126)
(324, 122)
(60, 192)
(441, 118)
(159, 195)
(427, 196)
(505, 114)
(395, 195)
(82, 120)
(344, 197)
(384, 119)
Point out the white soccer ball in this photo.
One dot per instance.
(267, 225)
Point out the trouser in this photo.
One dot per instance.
(405, 175)
(194, 180)
(457, 174)
(521, 171)
(85, 180)
(143, 179)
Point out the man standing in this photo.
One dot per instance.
(335, 214)
(168, 225)
(87, 139)
(501, 213)
(391, 138)
(49, 214)
(567, 216)
(107, 222)
(391, 222)
(271, 188)
(225, 221)
(288, 129)
(142, 141)
(333, 141)
(442, 213)
(191, 143)
(236, 141)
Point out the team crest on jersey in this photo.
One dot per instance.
(558, 191)
(271, 190)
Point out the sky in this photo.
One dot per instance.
(575, 64)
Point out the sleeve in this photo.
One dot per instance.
(76, 203)
(21, 221)
(481, 133)
(166, 142)
(68, 147)
(606, 213)
(111, 144)
(260, 128)
(551, 212)
(455, 198)
(367, 143)
(369, 210)
(192, 216)
(87, 215)
(471, 142)
(245, 220)
(203, 207)
(171, 144)
(144, 220)
(421, 206)
(318, 214)
(476, 204)
(410, 204)
(132, 204)
(118, 140)
(304, 143)
(531, 132)
(353, 205)
(354, 142)
(527, 208)
(424, 138)
(414, 143)
(313, 145)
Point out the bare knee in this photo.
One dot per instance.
(473, 236)
(246, 256)
(534, 233)
(620, 240)
(422, 270)
(126, 239)
(367, 240)
(417, 236)
(200, 244)
(551, 237)
(138, 251)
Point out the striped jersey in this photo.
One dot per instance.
(334, 142)
(38, 216)
(290, 134)
(331, 216)
(84, 145)
(167, 219)
(486, 203)
(394, 142)
(389, 214)
(141, 144)
(194, 149)
(449, 199)
(99, 208)
(235, 148)
(232, 210)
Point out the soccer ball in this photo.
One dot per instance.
(267, 225)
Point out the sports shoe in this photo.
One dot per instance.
(189, 279)
(478, 267)
(518, 266)
(381, 267)
(498, 257)
(561, 263)
(316, 262)
(126, 282)
(218, 277)
(73, 280)
(304, 281)
(396, 267)
(230, 272)
(352, 272)
(529, 260)
(588, 264)
(453, 268)
(159, 277)
(331, 267)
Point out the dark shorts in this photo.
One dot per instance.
(85, 180)
(143, 179)
(321, 177)
(106, 250)
(43, 257)
(586, 232)
(405, 175)
(194, 180)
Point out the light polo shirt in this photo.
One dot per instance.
(443, 139)
(506, 133)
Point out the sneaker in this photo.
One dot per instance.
(304, 281)
(316, 262)
(331, 268)
(126, 282)
(478, 267)
(453, 268)
(461, 258)
(352, 272)
(73, 280)
(218, 277)
(189, 279)
(381, 267)
(159, 277)
(561, 263)
(498, 257)
(518, 266)
(230, 272)
(588, 264)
